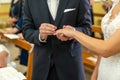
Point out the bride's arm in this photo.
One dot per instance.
(95, 72)
(104, 48)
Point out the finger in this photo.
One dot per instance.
(47, 32)
(49, 25)
(69, 27)
(58, 32)
(65, 26)
(58, 36)
(47, 29)
(62, 37)
(70, 38)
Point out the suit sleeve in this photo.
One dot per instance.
(19, 24)
(84, 18)
(30, 33)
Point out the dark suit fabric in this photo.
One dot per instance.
(65, 56)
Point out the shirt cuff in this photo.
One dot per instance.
(44, 41)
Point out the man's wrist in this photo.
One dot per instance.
(42, 40)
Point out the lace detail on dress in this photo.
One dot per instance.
(110, 26)
(115, 1)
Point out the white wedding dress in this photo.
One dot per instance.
(109, 68)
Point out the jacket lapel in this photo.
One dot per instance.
(60, 12)
(44, 11)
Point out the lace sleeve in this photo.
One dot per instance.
(117, 22)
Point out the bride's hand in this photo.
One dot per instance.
(68, 32)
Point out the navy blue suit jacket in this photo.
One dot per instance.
(67, 54)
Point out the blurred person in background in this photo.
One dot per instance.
(15, 12)
(16, 20)
(106, 4)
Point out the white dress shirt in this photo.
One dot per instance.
(53, 5)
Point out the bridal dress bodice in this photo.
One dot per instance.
(109, 68)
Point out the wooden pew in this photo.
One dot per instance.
(87, 59)
(27, 46)
(99, 14)
(96, 28)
